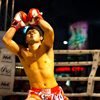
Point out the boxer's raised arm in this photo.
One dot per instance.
(48, 32)
(35, 18)
(18, 22)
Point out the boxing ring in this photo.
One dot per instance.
(90, 80)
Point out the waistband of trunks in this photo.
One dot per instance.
(52, 90)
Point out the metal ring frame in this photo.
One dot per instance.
(91, 79)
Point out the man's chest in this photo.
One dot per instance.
(37, 57)
(35, 65)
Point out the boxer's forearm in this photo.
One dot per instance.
(9, 34)
(48, 32)
(45, 26)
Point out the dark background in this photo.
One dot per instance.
(62, 13)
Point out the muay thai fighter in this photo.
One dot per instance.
(38, 58)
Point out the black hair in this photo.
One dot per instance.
(34, 27)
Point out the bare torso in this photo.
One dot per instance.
(39, 67)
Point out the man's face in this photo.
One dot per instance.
(33, 36)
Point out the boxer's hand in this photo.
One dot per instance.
(20, 20)
(34, 16)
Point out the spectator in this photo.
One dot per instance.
(22, 98)
(73, 85)
(83, 98)
(97, 90)
(66, 88)
(25, 86)
(81, 86)
(16, 86)
(11, 97)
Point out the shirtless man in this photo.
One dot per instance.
(38, 58)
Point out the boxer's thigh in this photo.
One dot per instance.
(30, 99)
(34, 97)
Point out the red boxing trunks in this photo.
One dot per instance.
(55, 93)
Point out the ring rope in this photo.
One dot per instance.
(74, 51)
(64, 78)
(91, 79)
(68, 63)
(66, 94)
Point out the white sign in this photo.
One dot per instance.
(7, 71)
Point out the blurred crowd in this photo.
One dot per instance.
(75, 87)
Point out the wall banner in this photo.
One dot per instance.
(7, 71)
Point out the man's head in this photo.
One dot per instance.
(33, 35)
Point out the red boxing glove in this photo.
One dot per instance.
(20, 20)
(34, 16)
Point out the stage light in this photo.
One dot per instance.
(65, 42)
